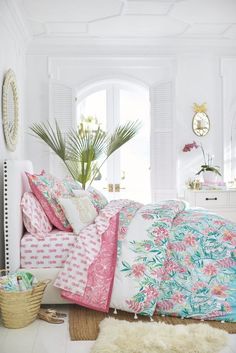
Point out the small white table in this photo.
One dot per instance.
(222, 202)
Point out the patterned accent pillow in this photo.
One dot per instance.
(35, 220)
(79, 211)
(71, 183)
(47, 190)
(98, 199)
(80, 193)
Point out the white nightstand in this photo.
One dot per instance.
(222, 202)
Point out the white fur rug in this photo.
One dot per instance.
(119, 336)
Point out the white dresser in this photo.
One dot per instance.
(222, 202)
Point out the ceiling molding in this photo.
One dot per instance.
(66, 28)
(70, 10)
(20, 22)
(230, 32)
(130, 46)
(128, 64)
(147, 7)
(206, 30)
(141, 23)
(206, 11)
(37, 28)
(137, 26)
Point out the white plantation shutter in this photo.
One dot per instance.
(62, 108)
(163, 161)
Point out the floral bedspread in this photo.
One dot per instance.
(170, 259)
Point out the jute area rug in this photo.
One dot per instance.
(84, 323)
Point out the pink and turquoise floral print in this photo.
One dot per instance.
(48, 189)
(186, 266)
(171, 259)
(97, 198)
(126, 215)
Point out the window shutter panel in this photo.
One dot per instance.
(62, 109)
(163, 161)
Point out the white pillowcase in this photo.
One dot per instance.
(79, 211)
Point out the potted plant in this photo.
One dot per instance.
(80, 149)
(209, 171)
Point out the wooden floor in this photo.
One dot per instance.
(42, 337)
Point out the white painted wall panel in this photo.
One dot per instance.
(76, 73)
(198, 80)
(62, 108)
(12, 56)
(37, 108)
(228, 71)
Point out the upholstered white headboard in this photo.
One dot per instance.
(15, 184)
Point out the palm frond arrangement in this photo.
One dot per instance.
(80, 150)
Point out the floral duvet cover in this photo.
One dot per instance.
(163, 258)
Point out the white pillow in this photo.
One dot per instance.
(79, 211)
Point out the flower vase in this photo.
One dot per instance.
(209, 177)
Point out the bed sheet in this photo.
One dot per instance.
(52, 251)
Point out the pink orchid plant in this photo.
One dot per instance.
(207, 166)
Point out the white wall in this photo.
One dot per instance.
(12, 55)
(79, 72)
(198, 80)
(228, 70)
(37, 107)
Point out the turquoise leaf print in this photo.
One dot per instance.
(126, 266)
(186, 266)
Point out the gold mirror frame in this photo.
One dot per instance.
(201, 121)
(10, 129)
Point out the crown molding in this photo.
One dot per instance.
(62, 46)
(157, 63)
(19, 23)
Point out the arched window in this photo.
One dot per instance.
(126, 174)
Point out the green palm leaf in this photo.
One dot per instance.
(86, 146)
(80, 150)
(121, 135)
(77, 171)
(54, 139)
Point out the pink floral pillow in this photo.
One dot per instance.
(35, 220)
(47, 190)
(98, 199)
(71, 183)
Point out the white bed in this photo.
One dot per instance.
(15, 184)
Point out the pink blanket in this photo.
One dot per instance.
(88, 274)
(99, 284)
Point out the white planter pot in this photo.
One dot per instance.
(209, 177)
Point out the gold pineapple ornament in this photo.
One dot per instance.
(200, 122)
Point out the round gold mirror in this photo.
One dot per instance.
(10, 110)
(201, 121)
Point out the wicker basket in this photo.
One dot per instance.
(19, 309)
